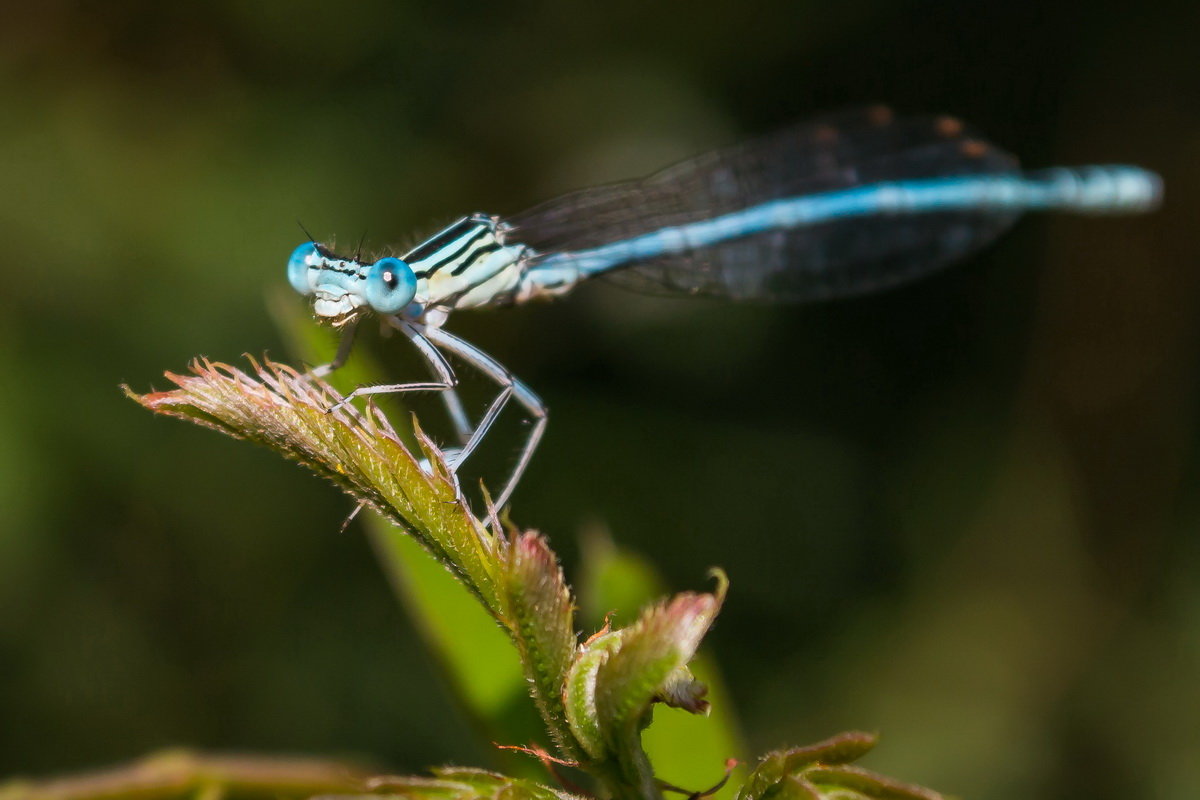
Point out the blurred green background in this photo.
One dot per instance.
(964, 513)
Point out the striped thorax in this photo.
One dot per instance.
(466, 265)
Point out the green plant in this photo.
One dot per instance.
(595, 696)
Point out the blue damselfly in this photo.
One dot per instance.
(843, 205)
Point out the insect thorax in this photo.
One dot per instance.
(467, 265)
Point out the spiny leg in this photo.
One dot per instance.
(427, 341)
(437, 363)
(471, 436)
(445, 382)
(441, 369)
(457, 414)
(445, 379)
(510, 387)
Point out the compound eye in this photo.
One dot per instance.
(390, 286)
(298, 269)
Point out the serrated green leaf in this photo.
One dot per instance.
(483, 779)
(538, 605)
(630, 679)
(518, 582)
(780, 764)
(485, 673)
(455, 783)
(415, 787)
(528, 790)
(794, 787)
(360, 452)
(686, 750)
(663, 640)
(841, 749)
(829, 779)
(580, 694)
(179, 773)
(502, 787)
(824, 769)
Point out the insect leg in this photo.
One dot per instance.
(343, 352)
(509, 387)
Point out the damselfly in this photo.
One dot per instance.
(838, 206)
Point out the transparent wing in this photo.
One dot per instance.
(832, 259)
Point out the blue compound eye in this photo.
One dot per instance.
(390, 286)
(298, 268)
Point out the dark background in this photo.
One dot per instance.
(963, 513)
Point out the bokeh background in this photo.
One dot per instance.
(965, 513)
